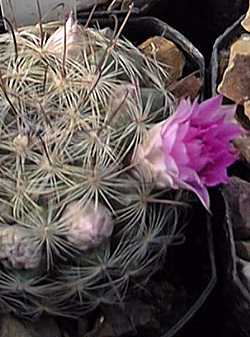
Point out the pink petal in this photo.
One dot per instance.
(229, 111)
(195, 185)
(212, 115)
(229, 131)
(192, 133)
(216, 177)
(169, 137)
(183, 111)
(201, 191)
(180, 154)
(171, 166)
(197, 156)
(173, 135)
(183, 130)
(216, 172)
(182, 114)
(211, 107)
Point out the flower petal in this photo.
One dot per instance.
(169, 137)
(171, 166)
(202, 193)
(210, 108)
(182, 114)
(195, 185)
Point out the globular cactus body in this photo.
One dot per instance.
(78, 217)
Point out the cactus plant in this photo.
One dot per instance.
(80, 222)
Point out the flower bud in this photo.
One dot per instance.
(87, 227)
(74, 39)
(149, 157)
(17, 249)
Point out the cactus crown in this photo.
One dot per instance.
(75, 102)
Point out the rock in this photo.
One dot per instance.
(243, 146)
(243, 249)
(166, 52)
(12, 327)
(240, 46)
(189, 86)
(237, 197)
(246, 22)
(235, 84)
(236, 80)
(247, 109)
(223, 61)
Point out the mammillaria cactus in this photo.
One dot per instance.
(78, 220)
(81, 219)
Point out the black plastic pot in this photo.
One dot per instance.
(194, 263)
(141, 7)
(138, 30)
(235, 294)
(221, 48)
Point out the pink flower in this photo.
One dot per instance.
(192, 149)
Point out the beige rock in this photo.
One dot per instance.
(247, 109)
(241, 46)
(243, 146)
(165, 51)
(246, 22)
(188, 86)
(223, 61)
(235, 84)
